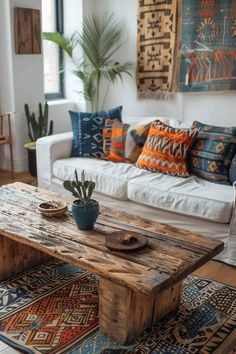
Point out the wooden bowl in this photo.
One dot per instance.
(52, 208)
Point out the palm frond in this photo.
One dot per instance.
(66, 43)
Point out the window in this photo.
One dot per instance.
(52, 21)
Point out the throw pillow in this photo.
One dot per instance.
(118, 137)
(212, 152)
(232, 170)
(87, 131)
(107, 130)
(166, 149)
(135, 140)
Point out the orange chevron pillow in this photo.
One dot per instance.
(166, 149)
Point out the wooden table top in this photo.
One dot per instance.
(170, 256)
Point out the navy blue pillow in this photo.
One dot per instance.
(87, 131)
(232, 171)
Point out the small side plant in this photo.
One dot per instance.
(82, 189)
(37, 128)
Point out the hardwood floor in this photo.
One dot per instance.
(25, 177)
(213, 270)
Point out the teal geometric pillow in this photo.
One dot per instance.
(87, 131)
(232, 171)
(212, 152)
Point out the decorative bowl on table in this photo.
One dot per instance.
(52, 208)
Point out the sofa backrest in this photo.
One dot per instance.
(145, 120)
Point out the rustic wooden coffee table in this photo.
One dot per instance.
(135, 289)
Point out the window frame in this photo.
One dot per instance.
(59, 8)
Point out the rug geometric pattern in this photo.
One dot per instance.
(53, 309)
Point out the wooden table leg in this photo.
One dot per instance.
(124, 314)
(16, 257)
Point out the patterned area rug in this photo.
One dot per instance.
(54, 309)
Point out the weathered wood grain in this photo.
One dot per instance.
(136, 289)
(16, 257)
(174, 259)
(27, 31)
(124, 313)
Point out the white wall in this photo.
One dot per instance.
(219, 108)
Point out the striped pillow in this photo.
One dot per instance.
(107, 130)
(166, 149)
(212, 152)
(118, 137)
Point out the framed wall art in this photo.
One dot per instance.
(27, 31)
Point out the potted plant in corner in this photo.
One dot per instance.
(37, 128)
(84, 209)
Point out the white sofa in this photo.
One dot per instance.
(190, 203)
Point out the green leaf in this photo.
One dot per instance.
(66, 43)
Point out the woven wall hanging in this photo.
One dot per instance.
(156, 46)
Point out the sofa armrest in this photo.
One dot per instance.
(50, 149)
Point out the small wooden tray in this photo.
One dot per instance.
(126, 241)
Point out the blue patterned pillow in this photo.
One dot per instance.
(87, 131)
(232, 171)
(212, 152)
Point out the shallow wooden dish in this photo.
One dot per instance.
(52, 208)
(126, 241)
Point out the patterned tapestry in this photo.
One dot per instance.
(156, 45)
(208, 51)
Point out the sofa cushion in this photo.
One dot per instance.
(191, 196)
(87, 131)
(212, 152)
(118, 138)
(111, 178)
(166, 149)
(135, 140)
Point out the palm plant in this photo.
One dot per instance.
(100, 40)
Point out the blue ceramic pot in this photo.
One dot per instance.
(85, 215)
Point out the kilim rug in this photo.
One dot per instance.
(156, 46)
(53, 309)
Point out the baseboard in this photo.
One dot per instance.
(19, 165)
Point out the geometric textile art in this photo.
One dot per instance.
(135, 140)
(166, 149)
(53, 309)
(156, 47)
(208, 53)
(118, 138)
(87, 131)
(212, 152)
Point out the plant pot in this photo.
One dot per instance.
(85, 215)
(32, 162)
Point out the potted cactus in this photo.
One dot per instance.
(84, 209)
(37, 128)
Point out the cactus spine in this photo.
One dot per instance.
(38, 128)
(80, 189)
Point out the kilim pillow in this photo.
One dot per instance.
(118, 137)
(135, 140)
(212, 152)
(87, 131)
(166, 149)
(107, 130)
(232, 170)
